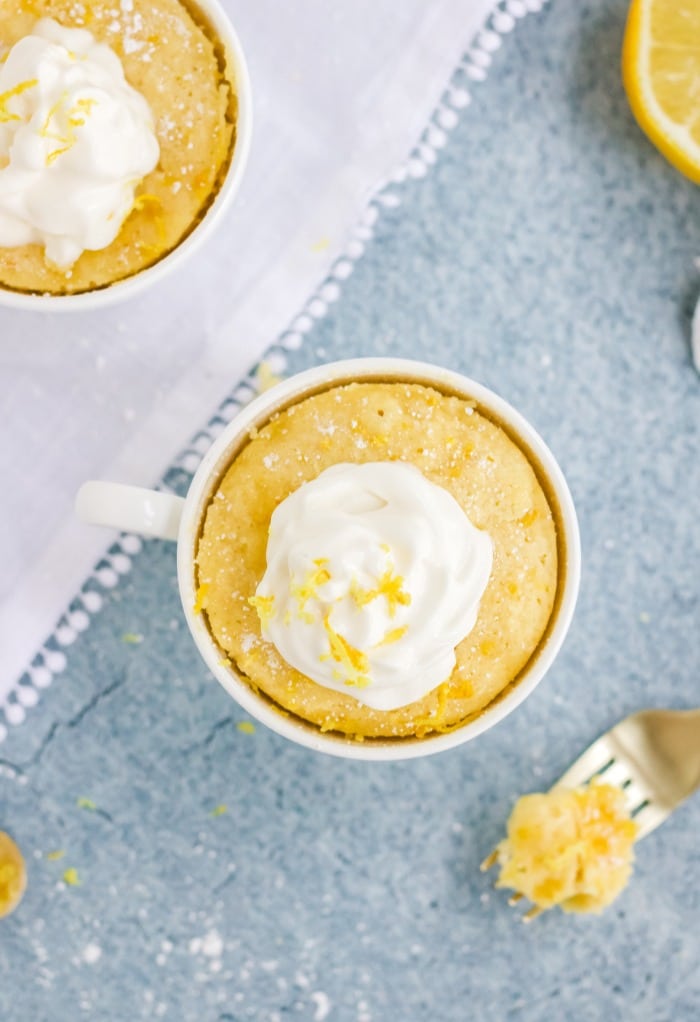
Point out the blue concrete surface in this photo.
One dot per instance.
(550, 255)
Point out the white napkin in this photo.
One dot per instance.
(343, 93)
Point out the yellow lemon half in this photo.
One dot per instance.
(13, 875)
(661, 74)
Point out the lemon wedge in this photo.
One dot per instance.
(661, 75)
(13, 875)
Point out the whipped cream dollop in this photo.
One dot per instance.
(374, 575)
(75, 141)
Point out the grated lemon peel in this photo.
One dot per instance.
(5, 115)
(389, 585)
(354, 661)
(265, 607)
(308, 588)
(200, 597)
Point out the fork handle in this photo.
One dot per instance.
(673, 740)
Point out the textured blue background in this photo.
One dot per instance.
(550, 255)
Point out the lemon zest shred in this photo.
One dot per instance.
(389, 586)
(529, 517)
(265, 607)
(132, 638)
(68, 140)
(56, 855)
(52, 111)
(200, 597)
(71, 877)
(52, 157)
(246, 727)
(5, 97)
(361, 681)
(392, 636)
(435, 721)
(308, 588)
(355, 662)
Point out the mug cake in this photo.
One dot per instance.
(379, 560)
(117, 128)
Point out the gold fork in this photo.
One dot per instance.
(654, 756)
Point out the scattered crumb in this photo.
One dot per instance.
(219, 810)
(54, 856)
(322, 1004)
(132, 638)
(92, 953)
(265, 377)
(246, 726)
(212, 946)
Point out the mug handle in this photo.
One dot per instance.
(130, 509)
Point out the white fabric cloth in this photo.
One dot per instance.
(342, 93)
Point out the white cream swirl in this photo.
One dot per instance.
(75, 140)
(374, 575)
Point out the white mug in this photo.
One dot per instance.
(237, 73)
(163, 515)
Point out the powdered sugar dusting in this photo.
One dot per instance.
(322, 1005)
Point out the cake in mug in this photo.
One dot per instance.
(379, 559)
(117, 126)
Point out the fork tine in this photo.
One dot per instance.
(532, 913)
(599, 759)
(591, 762)
(648, 818)
(635, 798)
(617, 773)
(489, 861)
